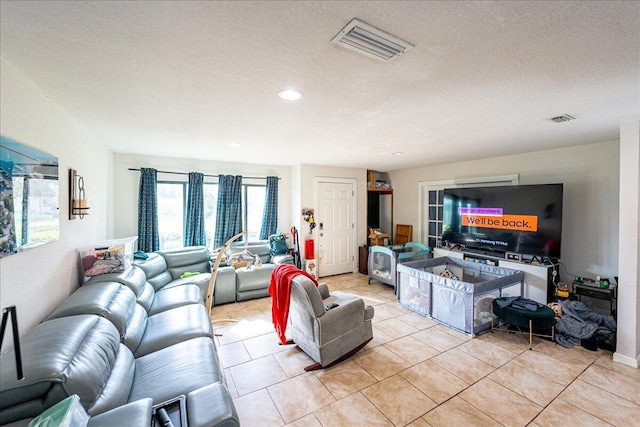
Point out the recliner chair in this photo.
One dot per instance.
(328, 335)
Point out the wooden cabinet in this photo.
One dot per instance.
(363, 259)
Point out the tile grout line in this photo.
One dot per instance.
(390, 304)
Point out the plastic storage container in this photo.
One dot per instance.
(66, 413)
(108, 256)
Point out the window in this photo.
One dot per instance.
(172, 205)
(39, 223)
(253, 209)
(172, 202)
(435, 218)
(210, 210)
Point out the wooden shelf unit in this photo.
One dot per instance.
(379, 202)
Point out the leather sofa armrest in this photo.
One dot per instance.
(281, 259)
(136, 413)
(211, 406)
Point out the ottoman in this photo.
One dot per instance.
(540, 319)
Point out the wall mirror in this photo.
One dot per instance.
(28, 197)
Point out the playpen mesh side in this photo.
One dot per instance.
(449, 301)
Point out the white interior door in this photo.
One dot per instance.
(336, 227)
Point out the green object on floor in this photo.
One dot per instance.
(189, 274)
(542, 318)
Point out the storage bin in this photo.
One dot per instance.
(454, 292)
(108, 256)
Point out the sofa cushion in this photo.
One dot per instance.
(110, 300)
(282, 259)
(136, 413)
(214, 395)
(259, 248)
(65, 356)
(200, 280)
(147, 296)
(117, 387)
(154, 302)
(133, 278)
(225, 286)
(174, 326)
(113, 301)
(166, 299)
(187, 259)
(155, 269)
(136, 328)
(140, 332)
(176, 370)
(254, 278)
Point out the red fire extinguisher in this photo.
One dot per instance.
(309, 249)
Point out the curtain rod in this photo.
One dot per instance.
(210, 176)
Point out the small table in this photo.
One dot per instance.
(592, 293)
(542, 318)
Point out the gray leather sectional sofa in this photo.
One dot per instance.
(124, 342)
(241, 284)
(163, 269)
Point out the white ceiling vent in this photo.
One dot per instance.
(370, 41)
(562, 118)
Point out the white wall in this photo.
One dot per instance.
(36, 280)
(126, 183)
(628, 339)
(590, 175)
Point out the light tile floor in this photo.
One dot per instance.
(419, 373)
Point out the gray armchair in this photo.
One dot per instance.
(332, 335)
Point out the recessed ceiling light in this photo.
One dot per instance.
(233, 144)
(290, 94)
(397, 153)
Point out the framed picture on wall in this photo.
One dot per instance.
(29, 214)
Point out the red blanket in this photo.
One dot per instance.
(280, 291)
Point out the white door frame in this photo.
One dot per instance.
(423, 187)
(316, 202)
(512, 179)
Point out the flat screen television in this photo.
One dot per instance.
(525, 219)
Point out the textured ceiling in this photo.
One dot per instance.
(188, 79)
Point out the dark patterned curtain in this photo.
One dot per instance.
(148, 236)
(229, 209)
(194, 231)
(270, 215)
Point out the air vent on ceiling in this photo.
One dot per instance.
(370, 41)
(562, 118)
